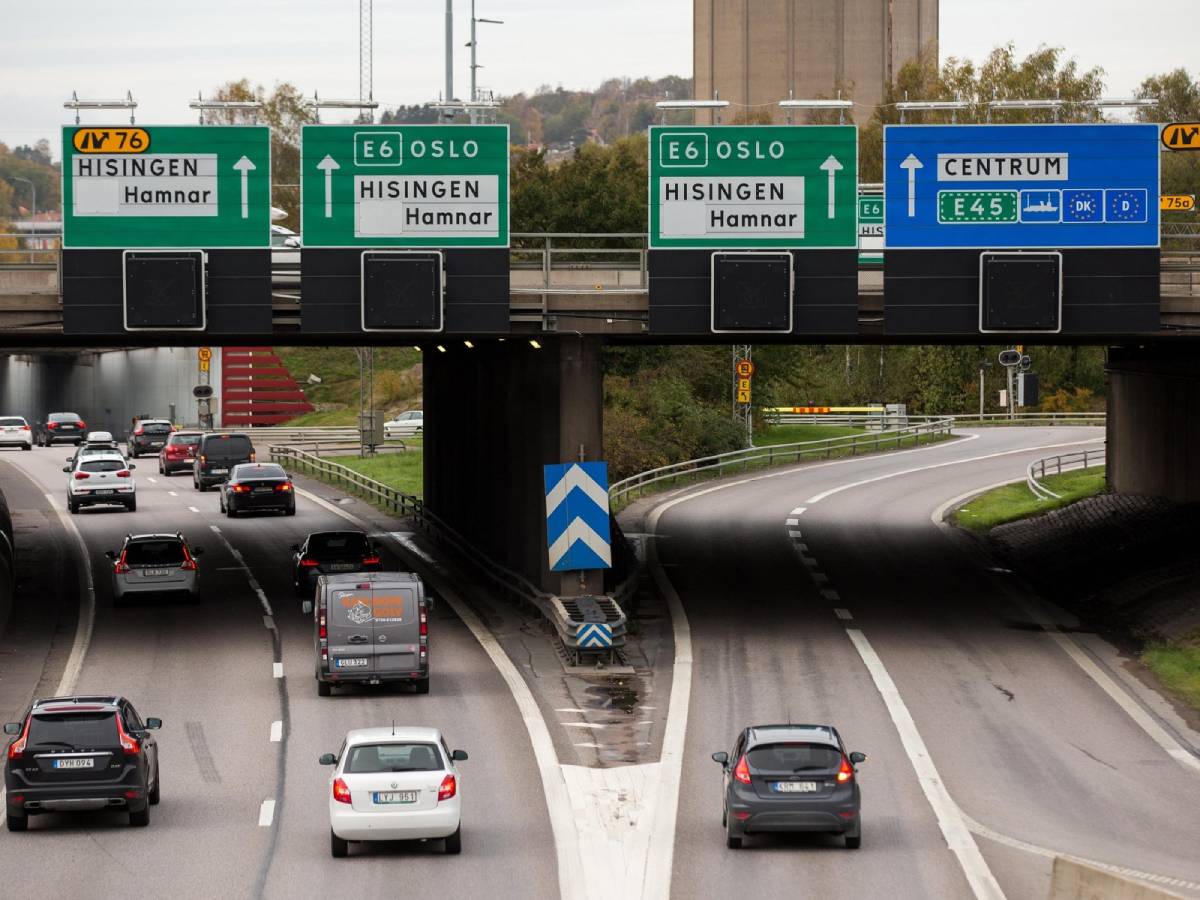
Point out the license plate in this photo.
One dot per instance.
(395, 796)
(103, 493)
(190, 459)
(80, 763)
(263, 490)
(796, 787)
(220, 471)
(357, 662)
(156, 573)
(155, 444)
(340, 567)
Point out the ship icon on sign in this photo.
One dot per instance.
(1041, 206)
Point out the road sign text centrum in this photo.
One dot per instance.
(166, 186)
(404, 185)
(754, 186)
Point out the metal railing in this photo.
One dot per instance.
(1056, 465)
(779, 454)
(316, 437)
(1026, 418)
(544, 251)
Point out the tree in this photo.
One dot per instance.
(1178, 96)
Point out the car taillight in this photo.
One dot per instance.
(203, 458)
(188, 562)
(309, 563)
(79, 476)
(139, 431)
(17, 748)
(52, 425)
(742, 770)
(252, 459)
(285, 487)
(124, 473)
(24, 427)
(370, 560)
(128, 743)
(121, 567)
(424, 623)
(322, 632)
(448, 788)
(341, 793)
(845, 771)
(82, 425)
(240, 488)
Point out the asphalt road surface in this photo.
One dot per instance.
(776, 573)
(244, 815)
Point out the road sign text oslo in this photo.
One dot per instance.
(404, 185)
(753, 186)
(1021, 186)
(167, 186)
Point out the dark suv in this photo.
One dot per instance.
(331, 553)
(61, 426)
(147, 436)
(81, 753)
(216, 455)
(790, 778)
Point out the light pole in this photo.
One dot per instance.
(984, 365)
(475, 65)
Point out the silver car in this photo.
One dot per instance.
(155, 564)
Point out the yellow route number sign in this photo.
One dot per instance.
(1177, 202)
(111, 140)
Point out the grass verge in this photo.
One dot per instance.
(1015, 501)
(403, 471)
(1177, 667)
(793, 434)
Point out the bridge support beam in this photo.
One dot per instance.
(494, 415)
(1154, 423)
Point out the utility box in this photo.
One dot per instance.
(402, 290)
(751, 292)
(1027, 389)
(370, 428)
(164, 290)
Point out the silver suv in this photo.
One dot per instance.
(155, 564)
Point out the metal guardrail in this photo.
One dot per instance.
(558, 611)
(1056, 465)
(779, 454)
(1026, 418)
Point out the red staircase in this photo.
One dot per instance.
(256, 388)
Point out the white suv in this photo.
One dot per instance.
(103, 478)
(14, 431)
(394, 784)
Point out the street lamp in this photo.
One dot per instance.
(714, 104)
(475, 65)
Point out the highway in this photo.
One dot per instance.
(244, 800)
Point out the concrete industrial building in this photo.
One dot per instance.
(755, 53)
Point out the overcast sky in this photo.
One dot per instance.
(165, 52)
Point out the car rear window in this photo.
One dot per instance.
(794, 757)
(227, 446)
(248, 472)
(156, 427)
(63, 417)
(394, 758)
(12, 421)
(347, 543)
(65, 730)
(154, 553)
(102, 465)
(178, 438)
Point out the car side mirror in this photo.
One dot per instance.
(197, 551)
(66, 468)
(110, 554)
(857, 757)
(153, 724)
(721, 757)
(132, 466)
(306, 607)
(12, 727)
(327, 759)
(430, 603)
(458, 755)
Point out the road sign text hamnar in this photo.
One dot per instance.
(404, 185)
(167, 186)
(753, 186)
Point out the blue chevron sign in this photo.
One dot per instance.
(577, 516)
(593, 634)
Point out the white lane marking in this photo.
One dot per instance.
(558, 801)
(797, 511)
(152, 480)
(792, 533)
(1017, 844)
(581, 725)
(794, 520)
(193, 509)
(830, 594)
(276, 731)
(241, 561)
(817, 498)
(1128, 704)
(173, 493)
(266, 813)
(949, 817)
(277, 670)
(269, 623)
(843, 614)
(569, 709)
(802, 547)
(820, 578)
(808, 561)
(587, 744)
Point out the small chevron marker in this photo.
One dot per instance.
(592, 635)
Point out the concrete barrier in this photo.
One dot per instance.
(1075, 881)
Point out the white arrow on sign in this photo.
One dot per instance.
(328, 165)
(244, 166)
(911, 163)
(831, 166)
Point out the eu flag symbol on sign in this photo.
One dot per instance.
(577, 516)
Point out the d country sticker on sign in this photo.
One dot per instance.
(111, 140)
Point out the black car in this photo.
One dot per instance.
(254, 487)
(216, 454)
(147, 436)
(60, 427)
(81, 753)
(332, 552)
(786, 778)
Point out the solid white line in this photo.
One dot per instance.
(276, 731)
(950, 819)
(266, 813)
(843, 614)
(277, 669)
(953, 462)
(269, 623)
(253, 582)
(558, 803)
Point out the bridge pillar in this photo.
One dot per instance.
(1154, 423)
(494, 415)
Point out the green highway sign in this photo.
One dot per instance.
(404, 185)
(870, 229)
(970, 207)
(754, 186)
(167, 186)
(870, 210)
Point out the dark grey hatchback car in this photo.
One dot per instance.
(788, 778)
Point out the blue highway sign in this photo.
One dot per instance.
(577, 516)
(1021, 186)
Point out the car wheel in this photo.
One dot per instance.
(231, 512)
(155, 792)
(324, 689)
(72, 507)
(338, 848)
(290, 511)
(724, 818)
(27, 446)
(132, 505)
(17, 823)
(141, 818)
(422, 686)
(454, 842)
(854, 839)
(733, 843)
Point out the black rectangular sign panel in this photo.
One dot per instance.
(751, 292)
(164, 290)
(401, 291)
(1020, 292)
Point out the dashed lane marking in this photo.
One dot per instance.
(793, 520)
(266, 813)
(193, 509)
(152, 480)
(241, 561)
(173, 493)
(820, 578)
(277, 669)
(830, 594)
(843, 614)
(798, 510)
(276, 731)
(793, 533)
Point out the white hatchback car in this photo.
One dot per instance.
(104, 478)
(407, 424)
(394, 784)
(15, 432)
